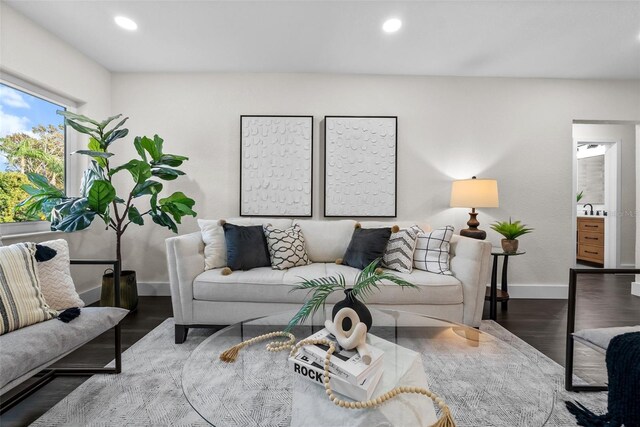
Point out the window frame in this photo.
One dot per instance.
(9, 229)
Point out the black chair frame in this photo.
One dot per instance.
(571, 322)
(48, 374)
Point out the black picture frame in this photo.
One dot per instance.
(242, 211)
(395, 175)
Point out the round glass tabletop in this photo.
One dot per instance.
(485, 381)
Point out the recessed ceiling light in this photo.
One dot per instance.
(391, 25)
(126, 23)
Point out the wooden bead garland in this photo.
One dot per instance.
(230, 356)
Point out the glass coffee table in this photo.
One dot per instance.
(483, 380)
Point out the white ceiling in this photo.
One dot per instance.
(566, 39)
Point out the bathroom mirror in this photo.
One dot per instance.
(591, 179)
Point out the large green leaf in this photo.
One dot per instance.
(120, 133)
(151, 146)
(77, 117)
(138, 145)
(167, 174)
(73, 222)
(147, 187)
(163, 219)
(42, 195)
(140, 171)
(178, 205)
(103, 124)
(172, 160)
(82, 129)
(116, 127)
(95, 145)
(94, 154)
(101, 195)
(134, 216)
(92, 173)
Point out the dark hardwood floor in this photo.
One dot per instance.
(603, 301)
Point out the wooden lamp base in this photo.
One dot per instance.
(473, 230)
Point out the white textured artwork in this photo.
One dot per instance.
(276, 165)
(360, 166)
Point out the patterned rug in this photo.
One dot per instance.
(149, 393)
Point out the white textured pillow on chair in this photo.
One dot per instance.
(55, 278)
(432, 251)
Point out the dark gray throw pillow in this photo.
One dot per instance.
(367, 244)
(246, 247)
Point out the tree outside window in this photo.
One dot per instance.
(32, 139)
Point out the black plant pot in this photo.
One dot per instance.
(128, 290)
(352, 302)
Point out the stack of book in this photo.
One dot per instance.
(350, 376)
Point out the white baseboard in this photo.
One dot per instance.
(550, 291)
(635, 289)
(632, 265)
(146, 289)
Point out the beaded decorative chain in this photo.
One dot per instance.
(230, 355)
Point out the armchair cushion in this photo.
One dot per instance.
(55, 278)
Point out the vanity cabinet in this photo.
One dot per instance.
(591, 240)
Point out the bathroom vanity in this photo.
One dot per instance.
(591, 239)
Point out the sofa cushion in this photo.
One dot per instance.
(398, 254)
(267, 285)
(21, 300)
(55, 278)
(601, 337)
(286, 247)
(366, 246)
(215, 248)
(35, 346)
(326, 241)
(246, 247)
(433, 249)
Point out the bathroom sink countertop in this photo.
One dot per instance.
(591, 216)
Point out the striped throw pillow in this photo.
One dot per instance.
(432, 251)
(21, 300)
(399, 252)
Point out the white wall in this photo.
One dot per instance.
(518, 131)
(626, 134)
(37, 57)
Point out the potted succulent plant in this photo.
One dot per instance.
(98, 197)
(511, 231)
(366, 283)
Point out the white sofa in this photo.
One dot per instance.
(204, 298)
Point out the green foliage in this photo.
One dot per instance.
(511, 230)
(41, 152)
(366, 284)
(579, 196)
(11, 193)
(98, 196)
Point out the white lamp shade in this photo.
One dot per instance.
(474, 193)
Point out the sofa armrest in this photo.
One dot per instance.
(185, 258)
(471, 264)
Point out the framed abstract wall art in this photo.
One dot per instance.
(360, 166)
(276, 166)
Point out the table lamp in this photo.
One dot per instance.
(474, 193)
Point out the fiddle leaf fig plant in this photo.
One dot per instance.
(98, 197)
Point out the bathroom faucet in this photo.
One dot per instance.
(590, 205)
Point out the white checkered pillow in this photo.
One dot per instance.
(399, 252)
(432, 251)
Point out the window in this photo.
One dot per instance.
(32, 139)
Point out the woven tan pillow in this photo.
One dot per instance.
(55, 278)
(21, 300)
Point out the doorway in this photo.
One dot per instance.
(604, 189)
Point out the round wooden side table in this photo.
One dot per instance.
(493, 295)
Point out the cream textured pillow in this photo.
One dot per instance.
(215, 248)
(55, 278)
(432, 251)
(21, 300)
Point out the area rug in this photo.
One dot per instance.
(149, 392)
